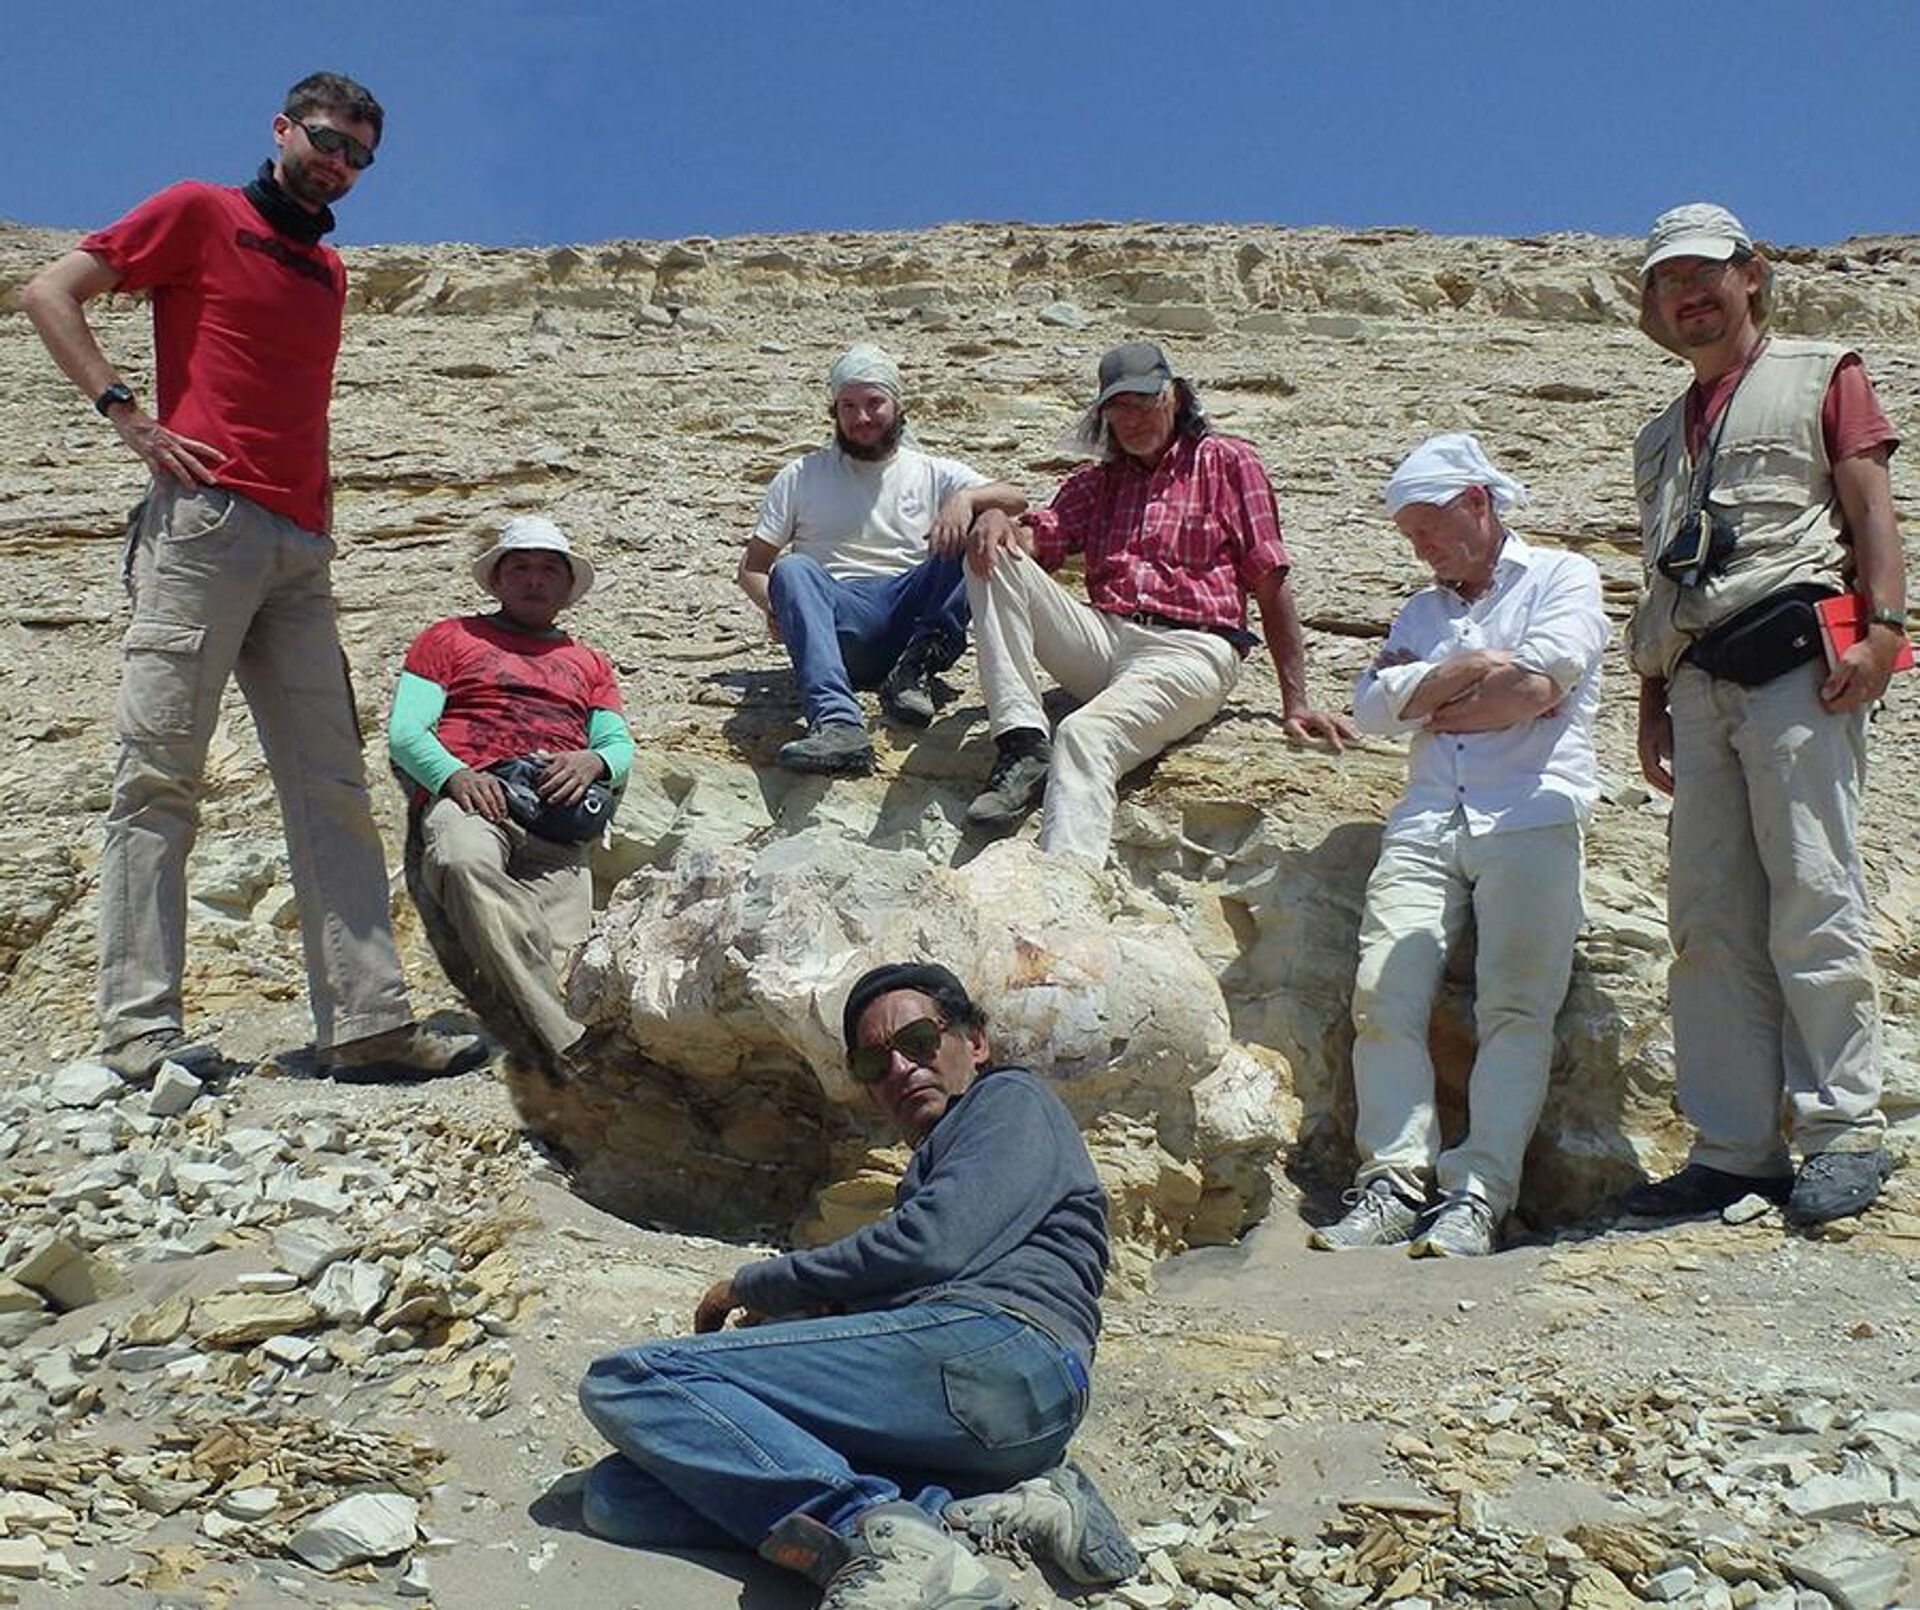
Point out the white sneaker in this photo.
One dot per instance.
(1378, 1217)
(1060, 1515)
(1461, 1228)
(902, 1560)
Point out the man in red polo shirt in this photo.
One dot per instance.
(1178, 527)
(228, 567)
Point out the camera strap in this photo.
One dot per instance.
(1701, 482)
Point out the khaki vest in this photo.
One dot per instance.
(1771, 482)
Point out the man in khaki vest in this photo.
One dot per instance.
(1761, 489)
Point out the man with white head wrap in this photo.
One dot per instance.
(1763, 487)
(1494, 670)
(855, 563)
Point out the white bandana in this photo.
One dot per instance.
(864, 364)
(1442, 467)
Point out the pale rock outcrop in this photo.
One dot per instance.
(715, 990)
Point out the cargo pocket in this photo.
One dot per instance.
(160, 690)
(1013, 1392)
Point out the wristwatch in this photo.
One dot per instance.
(1888, 617)
(112, 397)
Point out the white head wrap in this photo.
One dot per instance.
(1442, 467)
(864, 364)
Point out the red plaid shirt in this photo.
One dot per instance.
(1188, 539)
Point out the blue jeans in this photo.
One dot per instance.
(721, 1437)
(843, 635)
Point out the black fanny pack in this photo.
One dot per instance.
(579, 823)
(1764, 640)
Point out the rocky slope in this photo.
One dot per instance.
(1673, 1394)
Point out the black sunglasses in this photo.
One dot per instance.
(918, 1042)
(334, 143)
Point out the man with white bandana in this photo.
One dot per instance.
(1495, 672)
(1762, 488)
(855, 562)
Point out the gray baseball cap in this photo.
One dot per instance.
(1133, 366)
(1699, 229)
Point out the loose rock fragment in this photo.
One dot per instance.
(367, 1526)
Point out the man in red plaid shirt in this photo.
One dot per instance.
(1178, 527)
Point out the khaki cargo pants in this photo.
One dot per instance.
(221, 586)
(504, 909)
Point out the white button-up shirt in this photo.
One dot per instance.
(1544, 609)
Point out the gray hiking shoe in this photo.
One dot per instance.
(139, 1059)
(1059, 1515)
(1014, 786)
(1837, 1185)
(832, 749)
(1376, 1217)
(1462, 1227)
(906, 694)
(412, 1051)
(902, 1560)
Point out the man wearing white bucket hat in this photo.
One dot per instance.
(1763, 491)
(1494, 671)
(855, 562)
(511, 732)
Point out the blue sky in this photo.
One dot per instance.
(514, 123)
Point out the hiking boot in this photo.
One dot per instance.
(1837, 1185)
(1059, 1515)
(902, 1560)
(1462, 1227)
(1699, 1189)
(412, 1051)
(1014, 786)
(139, 1059)
(906, 694)
(1378, 1216)
(832, 749)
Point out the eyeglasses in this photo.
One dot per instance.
(333, 143)
(1670, 277)
(918, 1042)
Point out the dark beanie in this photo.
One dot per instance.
(930, 978)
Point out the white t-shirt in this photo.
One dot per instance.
(858, 518)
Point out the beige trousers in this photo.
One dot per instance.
(1523, 889)
(516, 903)
(222, 587)
(1139, 687)
(1774, 1003)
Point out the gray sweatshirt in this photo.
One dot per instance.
(999, 1206)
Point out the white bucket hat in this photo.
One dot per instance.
(537, 533)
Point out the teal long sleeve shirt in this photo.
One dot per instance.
(414, 745)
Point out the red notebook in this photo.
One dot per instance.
(1843, 622)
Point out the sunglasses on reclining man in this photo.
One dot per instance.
(918, 1042)
(333, 143)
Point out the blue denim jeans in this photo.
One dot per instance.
(721, 1437)
(843, 635)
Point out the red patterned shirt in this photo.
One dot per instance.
(510, 693)
(1187, 539)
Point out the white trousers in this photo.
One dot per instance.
(1523, 889)
(1139, 687)
(1772, 981)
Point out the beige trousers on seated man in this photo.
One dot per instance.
(1139, 687)
(516, 905)
(1523, 889)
